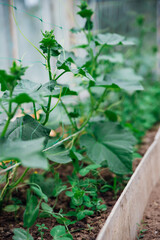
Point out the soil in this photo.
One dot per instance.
(88, 228)
(151, 217)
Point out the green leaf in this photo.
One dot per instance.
(37, 92)
(46, 184)
(58, 155)
(69, 194)
(31, 212)
(20, 234)
(124, 78)
(26, 128)
(84, 72)
(66, 92)
(77, 199)
(17, 70)
(113, 58)
(66, 66)
(29, 153)
(59, 233)
(11, 208)
(110, 142)
(22, 98)
(102, 207)
(84, 213)
(86, 13)
(46, 208)
(58, 189)
(7, 81)
(39, 193)
(112, 116)
(86, 170)
(112, 39)
(26, 86)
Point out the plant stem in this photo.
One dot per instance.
(20, 179)
(49, 65)
(6, 127)
(60, 142)
(101, 99)
(3, 108)
(94, 109)
(27, 233)
(10, 115)
(59, 76)
(50, 97)
(35, 111)
(5, 188)
(70, 119)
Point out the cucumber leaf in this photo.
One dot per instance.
(110, 142)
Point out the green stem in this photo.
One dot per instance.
(94, 109)
(100, 50)
(50, 97)
(4, 190)
(91, 97)
(20, 179)
(3, 108)
(27, 233)
(59, 75)
(41, 235)
(35, 111)
(10, 115)
(101, 99)
(6, 127)
(49, 65)
(70, 119)
(48, 110)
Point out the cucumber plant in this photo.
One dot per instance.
(88, 136)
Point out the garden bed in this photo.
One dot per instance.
(132, 202)
(87, 228)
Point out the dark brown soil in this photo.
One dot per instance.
(88, 228)
(151, 217)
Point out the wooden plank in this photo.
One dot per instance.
(128, 211)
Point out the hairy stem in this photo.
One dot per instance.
(50, 97)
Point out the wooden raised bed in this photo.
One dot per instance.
(128, 210)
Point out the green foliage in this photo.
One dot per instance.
(58, 155)
(115, 147)
(31, 211)
(86, 13)
(20, 234)
(46, 185)
(7, 81)
(11, 208)
(141, 107)
(41, 228)
(86, 170)
(26, 128)
(59, 233)
(29, 153)
(17, 70)
(90, 131)
(49, 43)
